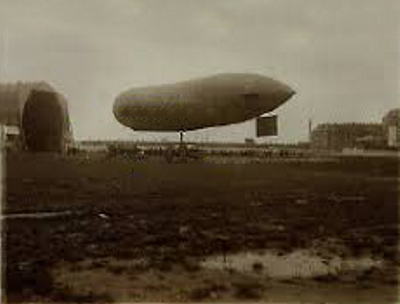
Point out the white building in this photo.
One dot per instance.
(391, 128)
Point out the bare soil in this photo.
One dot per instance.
(138, 231)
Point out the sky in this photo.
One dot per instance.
(341, 57)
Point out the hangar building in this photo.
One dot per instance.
(36, 115)
(338, 136)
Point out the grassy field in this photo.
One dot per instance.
(172, 213)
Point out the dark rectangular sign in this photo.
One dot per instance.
(267, 126)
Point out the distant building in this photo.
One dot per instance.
(390, 123)
(335, 136)
(12, 138)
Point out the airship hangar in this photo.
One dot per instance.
(37, 116)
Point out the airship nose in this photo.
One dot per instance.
(274, 94)
(282, 93)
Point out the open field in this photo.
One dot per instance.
(142, 231)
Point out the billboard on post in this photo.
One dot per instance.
(267, 126)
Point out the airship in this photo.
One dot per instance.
(217, 100)
(39, 113)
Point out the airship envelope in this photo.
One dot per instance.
(200, 103)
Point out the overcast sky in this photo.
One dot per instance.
(341, 56)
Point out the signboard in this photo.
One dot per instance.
(267, 126)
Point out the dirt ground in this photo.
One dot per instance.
(114, 230)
